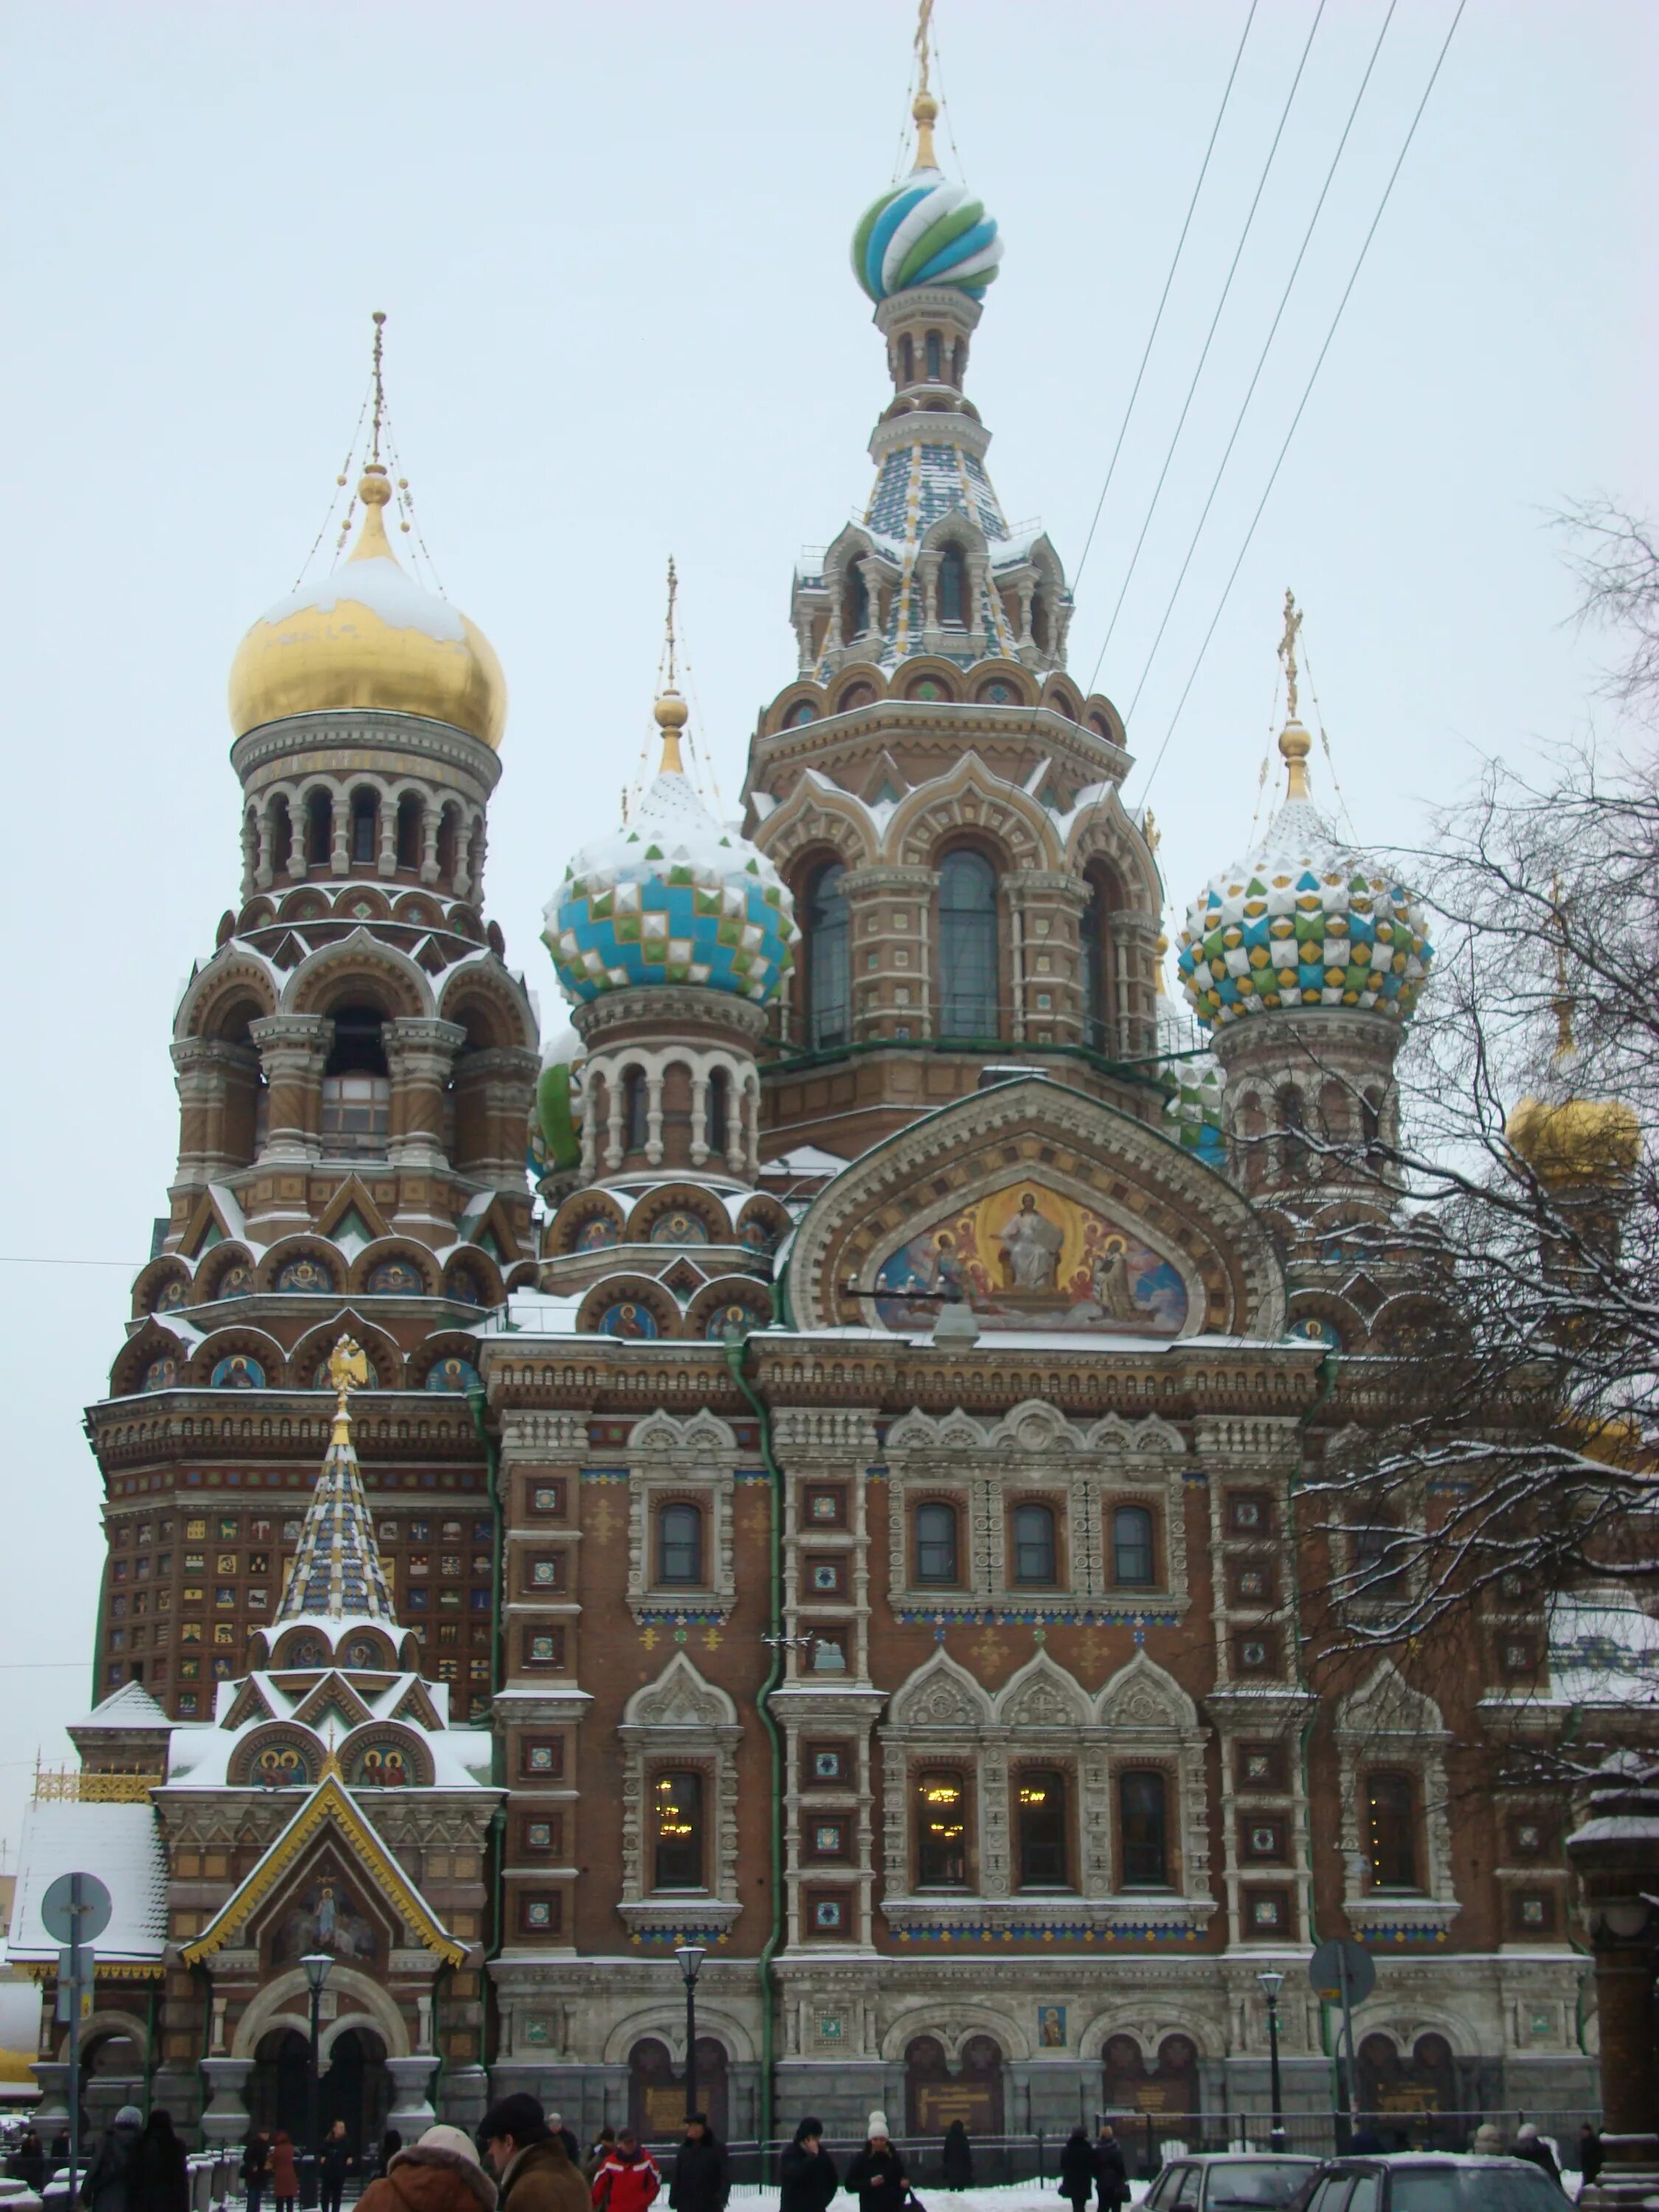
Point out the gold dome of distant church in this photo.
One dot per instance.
(368, 636)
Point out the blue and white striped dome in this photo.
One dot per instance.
(926, 230)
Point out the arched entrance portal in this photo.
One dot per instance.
(934, 2095)
(1394, 2086)
(1169, 2085)
(276, 2092)
(354, 2086)
(656, 2091)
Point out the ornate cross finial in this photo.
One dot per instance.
(1566, 1045)
(1287, 653)
(348, 1368)
(924, 107)
(671, 710)
(673, 594)
(379, 383)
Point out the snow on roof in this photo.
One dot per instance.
(230, 1207)
(122, 1845)
(131, 1706)
(804, 1160)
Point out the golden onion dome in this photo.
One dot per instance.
(1579, 1140)
(368, 636)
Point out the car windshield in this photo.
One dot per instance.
(1258, 2181)
(1514, 2187)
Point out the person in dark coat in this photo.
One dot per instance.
(702, 2181)
(1077, 2168)
(877, 2176)
(391, 2143)
(597, 2157)
(256, 2167)
(807, 2172)
(1531, 2146)
(32, 2162)
(107, 2187)
(1111, 2172)
(957, 2157)
(1589, 2152)
(1366, 2142)
(333, 2166)
(160, 2181)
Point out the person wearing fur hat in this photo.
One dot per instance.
(807, 2172)
(702, 2181)
(877, 2176)
(108, 2184)
(442, 2173)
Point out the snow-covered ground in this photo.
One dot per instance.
(1010, 2197)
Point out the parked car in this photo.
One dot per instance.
(1214, 2178)
(1432, 2181)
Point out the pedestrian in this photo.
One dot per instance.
(256, 2167)
(702, 2179)
(555, 2126)
(332, 2167)
(1111, 2170)
(807, 2172)
(107, 2187)
(1531, 2146)
(529, 2160)
(442, 2173)
(391, 2143)
(1589, 2153)
(1488, 2140)
(1078, 2173)
(284, 2172)
(1366, 2142)
(957, 2157)
(877, 2176)
(597, 2157)
(160, 2182)
(32, 2162)
(628, 2180)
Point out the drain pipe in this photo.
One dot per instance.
(735, 1348)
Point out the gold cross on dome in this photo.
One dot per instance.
(1287, 653)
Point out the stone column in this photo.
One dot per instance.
(294, 1049)
(654, 1117)
(262, 868)
(420, 1054)
(411, 2113)
(700, 1119)
(1615, 1855)
(212, 1079)
(386, 864)
(51, 2116)
(429, 819)
(226, 2119)
(500, 1083)
(339, 858)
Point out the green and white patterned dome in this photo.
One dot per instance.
(925, 230)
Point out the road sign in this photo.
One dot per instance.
(62, 1907)
(1325, 1970)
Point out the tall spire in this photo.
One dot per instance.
(337, 1572)
(671, 710)
(924, 109)
(1294, 742)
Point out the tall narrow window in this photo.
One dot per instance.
(282, 838)
(941, 1832)
(1092, 947)
(935, 356)
(966, 946)
(1040, 621)
(1143, 1821)
(936, 1543)
(679, 1544)
(449, 830)
(635, 1111)
(953, 588)
(1041, 1812)
(1370, 1122)
(1293, 1155)
(716, 1122)
(1036, 1558)
(356, 1087)
(856, 606)
(907, 358)
(1391, 1830)
(1132, 1546)
(828, 960)
(410, 832)
(1378, 1557)
(365, 828)
(319, 830)
(676, 1829)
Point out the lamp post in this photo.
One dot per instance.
(690, 1957)
(1272, 1983)
(319, 1964)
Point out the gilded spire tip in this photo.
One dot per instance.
(671, 710)
(924, 109)
(1294, 742)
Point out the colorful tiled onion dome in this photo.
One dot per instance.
(1304, 920)
(671, 898)
(925, 230)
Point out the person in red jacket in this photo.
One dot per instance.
(629, 2179)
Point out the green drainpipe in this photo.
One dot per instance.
(1320, 1398)
(149, 2046)
(735, 1348)
(476, 1405)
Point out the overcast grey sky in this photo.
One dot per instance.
(613, 244)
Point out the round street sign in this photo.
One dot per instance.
(1325, 1971)
(59, 1910)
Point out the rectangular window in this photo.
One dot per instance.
(357, 1114)
(1133, 1552)
(941, 1816)
(826, 1765)
(1391, 1830)
(677, 1830)
(824, 1505)
(1036, 1550)
(936, 1547)
(679, 1544)
(1143, 1812)
(1040, 1811)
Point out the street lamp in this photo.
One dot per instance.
(319, 1964)
(690, 1957)
(1272, 1983)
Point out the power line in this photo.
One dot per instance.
(39, 1259)
(1306, 394)
(1261, 362)
(1244, 236)
(1164, 296)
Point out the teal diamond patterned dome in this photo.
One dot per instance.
(671, 898)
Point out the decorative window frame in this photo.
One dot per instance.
(1387, 1724)
(690, 1461)
(680, 1720)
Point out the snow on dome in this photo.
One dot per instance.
(925, 230)
(671, 898)
(1305, 921)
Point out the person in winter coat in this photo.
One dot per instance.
(1077, 2168)
(957, 2159)
(442, 2173)
(333, 2166)
(556, 2127)
(284, 2171)
(108, 2184)
(702, 2181)
(1111, 2172)
(391, 2143)
(597, 2157)
(532, 2169)
(32, 2162)
(1589, 2153)
(159, 2183)
(628, 2180)
(1531, 2146)
(877, 2176)
(807, 2172)
(256, 2167)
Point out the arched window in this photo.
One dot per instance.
(935, 356)
(677, 1830)
(1041, 1814)
(828, 960)
(1143, 1820)
(1370, 1122)
(1391, 1830)
(907, 358)
(716, 1114)
(409, 832)
(357, 1086)
(855, 604)
(365, 828)
(941, 1831)
(449, 827)
(1094, 946)
(635, 1111)
(1040, 621)
(936, 1543)
(966, 946)
(319, 828)
(953, 588)
(1377, 1556)
(1133, 1562)
(1294, 1158)
(958, 361)
(1036, 1555)
(282, 837)
(679, 1544)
